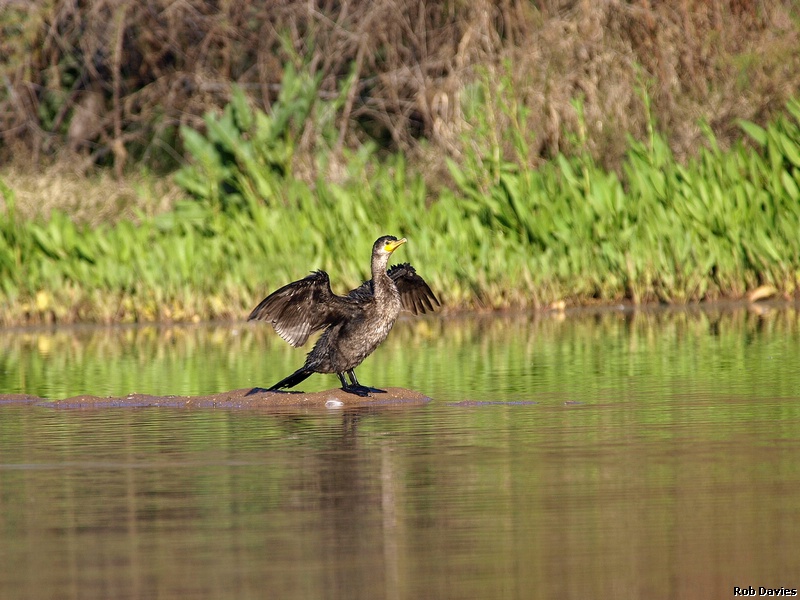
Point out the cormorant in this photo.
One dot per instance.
(354, 324)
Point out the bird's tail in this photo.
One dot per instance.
(292, 380)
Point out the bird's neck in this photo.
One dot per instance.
(380, 280)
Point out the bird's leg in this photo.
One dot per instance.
(352, 388)
(352, 374)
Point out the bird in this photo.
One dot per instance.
(355, 324)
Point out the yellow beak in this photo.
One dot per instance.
(392, 246)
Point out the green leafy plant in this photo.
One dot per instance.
(569, 230)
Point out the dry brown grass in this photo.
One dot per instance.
(109, 81)
(96, 198)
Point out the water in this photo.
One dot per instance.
(603, 455)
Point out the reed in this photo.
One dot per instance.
(108, 83)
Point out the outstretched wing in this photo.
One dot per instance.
(302, 307)
(415, 295)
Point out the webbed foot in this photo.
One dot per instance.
(358, 390)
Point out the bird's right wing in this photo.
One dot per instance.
(302, 307)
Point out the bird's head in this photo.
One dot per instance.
(387, 244)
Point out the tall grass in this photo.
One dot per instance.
(502, 235)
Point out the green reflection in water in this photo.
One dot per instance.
(611, 356)
(662, 459)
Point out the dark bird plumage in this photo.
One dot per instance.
(354, 324)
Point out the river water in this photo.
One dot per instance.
(604, 454)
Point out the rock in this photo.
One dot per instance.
(249, 398)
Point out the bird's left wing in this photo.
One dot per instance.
(415, 295)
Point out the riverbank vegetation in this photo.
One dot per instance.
(718, 225)
(508, 198)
